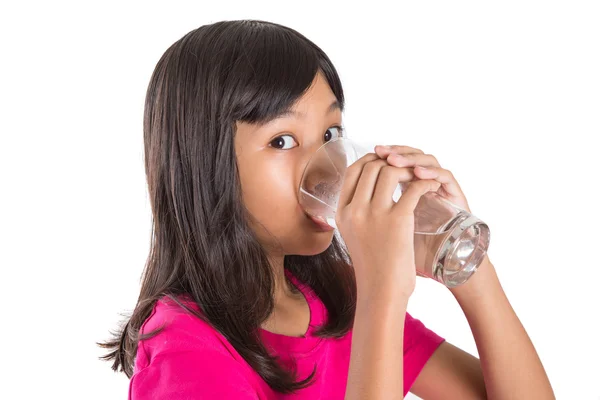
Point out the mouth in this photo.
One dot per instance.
(320, 223)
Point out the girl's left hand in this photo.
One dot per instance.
(411, 157)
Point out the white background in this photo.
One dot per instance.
(505, 94)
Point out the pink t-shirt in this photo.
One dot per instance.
(191, 360)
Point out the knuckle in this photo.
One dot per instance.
(370, 166)
(393, 171)
(401, 215)
(359, 215)
(430, 183)
(367, 158)
(432, 157)
(360, 164)
(374, 165)
(393, 174)
(378, 212)
(425, 184)
(352, 214)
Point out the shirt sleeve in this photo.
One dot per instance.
(419, 344)
(192, 375)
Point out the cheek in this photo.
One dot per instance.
(270, 194)
(281, 225)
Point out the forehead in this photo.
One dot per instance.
(318, 101)
(318, 92)
(319, 98)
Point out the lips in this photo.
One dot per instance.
(320, 224)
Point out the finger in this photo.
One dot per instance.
(351, 177)
(388, 180)
(384, 151)
(445, 177)
(413, 159)
(368, 179)
(410, 197)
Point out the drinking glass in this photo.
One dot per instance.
(449, 242)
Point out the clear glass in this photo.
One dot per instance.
(450, 243)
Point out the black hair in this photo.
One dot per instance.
(201, 243)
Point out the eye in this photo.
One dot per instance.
(335, 132)
(280, 142)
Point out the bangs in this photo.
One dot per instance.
(272, 70)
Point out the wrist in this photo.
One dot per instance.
(377, 294)
(484, 281)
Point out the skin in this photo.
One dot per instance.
(271, 159)
(509, 366)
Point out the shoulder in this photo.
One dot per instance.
(188, 358)
(181, 331)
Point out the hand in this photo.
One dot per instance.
(415, 158)
(378, 232)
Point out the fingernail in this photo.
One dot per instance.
(420, 166)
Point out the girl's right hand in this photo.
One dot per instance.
(378, 232)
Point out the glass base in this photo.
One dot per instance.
(465, 245)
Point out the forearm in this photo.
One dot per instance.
(376, 361)
(510, 364)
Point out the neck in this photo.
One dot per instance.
(282, 288)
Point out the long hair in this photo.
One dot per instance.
(201, 242)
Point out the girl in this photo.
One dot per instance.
(246, 297)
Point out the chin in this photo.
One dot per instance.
(316, 244)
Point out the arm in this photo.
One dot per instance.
(510, 365)
(377, 339)
(450, 374)
(509, 368)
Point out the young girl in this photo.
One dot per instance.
(244, 296)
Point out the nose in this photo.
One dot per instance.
(309, 152)
(320, 173)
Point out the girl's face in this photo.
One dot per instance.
(271, 159)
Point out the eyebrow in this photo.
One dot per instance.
(291, 113)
